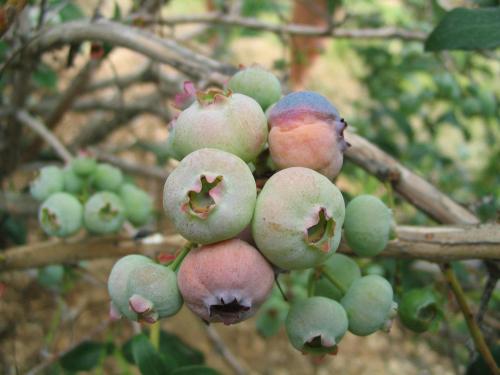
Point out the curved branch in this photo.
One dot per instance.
(431, 243)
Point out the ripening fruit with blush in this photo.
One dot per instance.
(369, 305)
(49, 180)
(210, 196)
(306, 130)
(367, 225)
(230, 122)
(60, 215)
(225, 282)
(138, 204)
(72, 182)
(298, 218)
(344, 269)
(418, 309)
(316, 325)
(106, 177)
(258, 83)
(83, 166)
(104, 213)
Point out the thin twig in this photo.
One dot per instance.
(493, 275)
(38, 127)
(224, 351)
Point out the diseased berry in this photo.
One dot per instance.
(230, 122)
(316, 325)
(344, 269)
(418, 309)
(367, 225)
(225, 282)
(106, 177)
(138, 204)
(84, 166)
(50, 180)
(60, 215)
(307, 131)
(258, 83)
(72, 182)
(104, 213)
(298, 218)
(369, 305)
(210, 196)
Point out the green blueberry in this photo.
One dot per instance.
(84, 166)
(344, 269)
(316, 325)
(60, 215)
(50, 180)
(369, 305)
(138, 204)
(104, 213)
(108, 178)
(73, 183)
(367, 225)
(418, 309)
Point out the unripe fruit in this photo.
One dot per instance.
(84, 166)
(210, 196)
(143, 290)
(225, 282)
(307, 131)
(231, 122)
(106, 177)
(138, 204)
(49, 181)
(258, 83)
(272, 315)
(369, 305)
(316, 325)
(72, 182)
(418, 309)
(60, 215)
(344, 269)
(104, 213)
(367, 225)
(298, 219)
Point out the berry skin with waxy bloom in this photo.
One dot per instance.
(225, 282)
(298, 219)
(60, 215)
(138, 204)
(104, 213)
(50, 180)
(230, 122)
(316, 325)
(306, 130)
(210, 196)
(108, 178)
(84, 166)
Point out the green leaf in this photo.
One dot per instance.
(45, 77)
(71, 12)
(149, 361)
(184, 354)
(466, 29)
(84, 357)
(195, 370)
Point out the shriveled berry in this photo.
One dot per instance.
(72, 182)
(210, 196)
(344, 269)
(316, 325)
(106, 177)
(50, 180)
(104, 213)
(369, 305)
(225, 282)
(60, 215)
(138, 204)
(306, 131)
(367, 225)
(418, 309)
(84, 166)
(258, 83)
(231, 122)
(298, 218)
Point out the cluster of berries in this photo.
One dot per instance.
(244, 237)
(90, 194)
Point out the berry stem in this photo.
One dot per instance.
(328, 275)
(154, 335)
(474, 330)
(311, 285)
(390, 194)
(182, 254)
